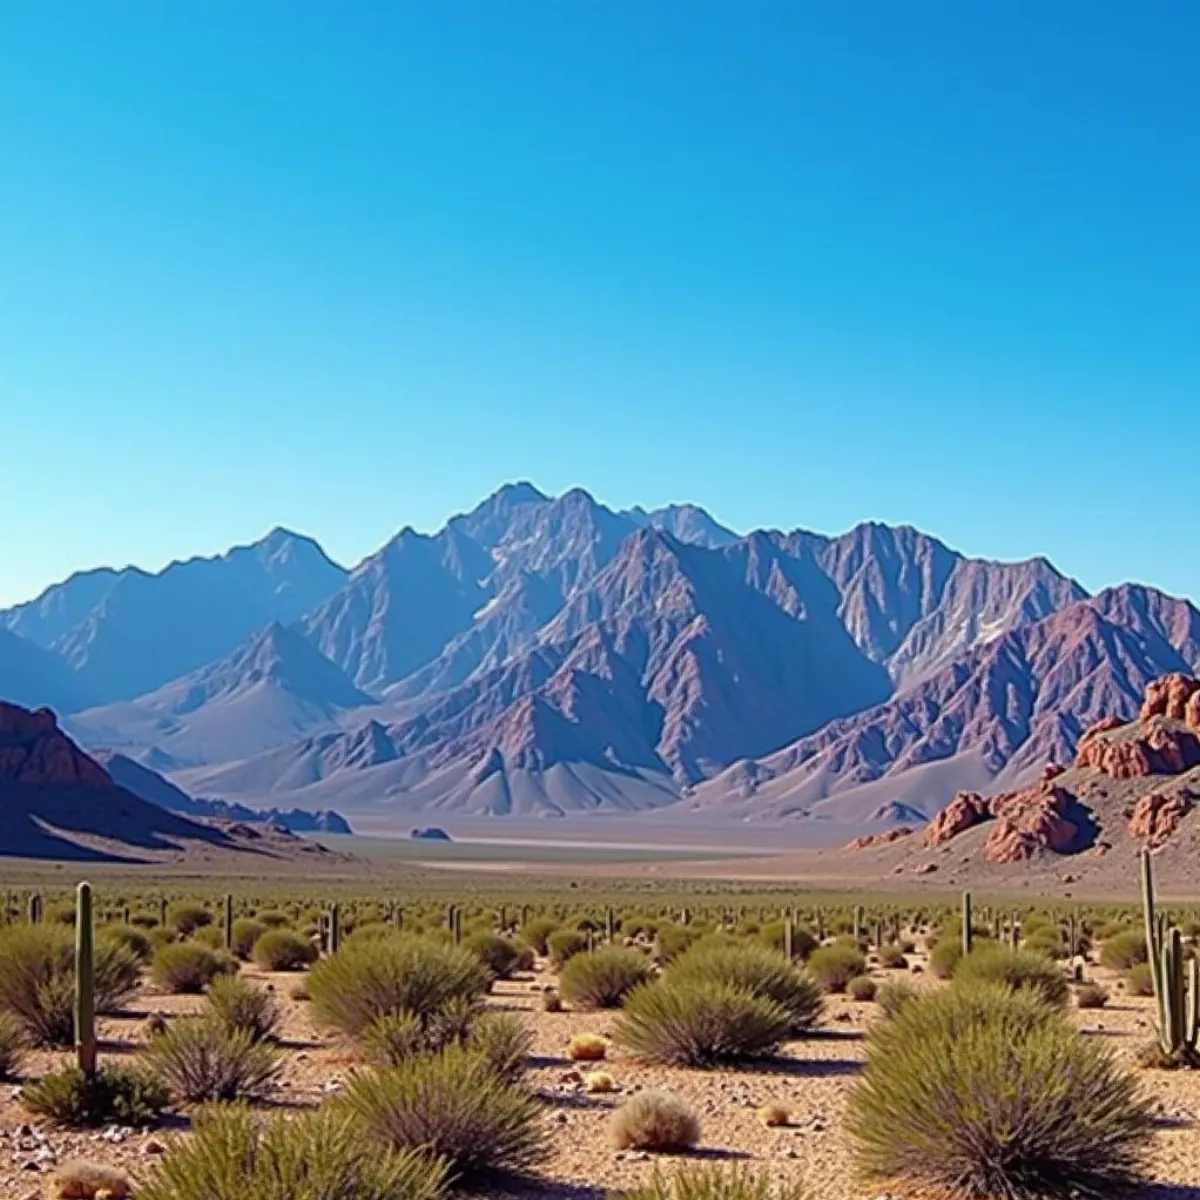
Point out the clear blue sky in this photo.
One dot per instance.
(346, 267)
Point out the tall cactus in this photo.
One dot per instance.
(228, 921)
(335, 928)
(1176, 981)
(35, 909)
(85, 982)
(967, 933)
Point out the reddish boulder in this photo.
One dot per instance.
(1030, 821)
(967, 809)
(1169, 697)
(1052, 771)
(1157, 748)
(872, 840)
(1156, 816)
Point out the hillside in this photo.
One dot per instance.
(56, 802)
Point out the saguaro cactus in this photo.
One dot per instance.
(228, 921)
(35, 909)
(335, 928)
(85, 982)
(967, 939)
(1176, 981)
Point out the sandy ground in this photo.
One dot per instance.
(811, 1079)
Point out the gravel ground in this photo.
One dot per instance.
(811, 1079)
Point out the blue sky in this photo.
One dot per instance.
(348, 267)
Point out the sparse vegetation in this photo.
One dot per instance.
(834, 966)
(200, 1059)
(112, 1096)
(185, 968)
(282, 950)
(738, 1182)
(654, 1120)
(602, 978)
(243, 1007)
(992, 963)
(587, 1047)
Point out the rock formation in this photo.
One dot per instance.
(33, 750)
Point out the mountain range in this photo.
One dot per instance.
(544, 655)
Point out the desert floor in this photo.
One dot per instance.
(812, 1080)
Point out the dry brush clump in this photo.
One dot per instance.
(112, 1096)
(80, 1179)
(654, 1120)
(282, 950)
(452, 1105)
(241, 1006)
(201, 1059)
(738, 1182)
(989, 1092)
(320, 1155)
(602, 978)
(1014, 969)
(186, 968)
(834, 966)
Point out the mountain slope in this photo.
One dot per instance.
(994, 715)
(140, 630)
(273, 689)
(34, 677)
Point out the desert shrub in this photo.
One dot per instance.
(393, 976)
(985, 1091)
(497, 953)
(894, 995)
(504, 1042)
(200, 1059)
(185, 918)
(587, 1047)
(82, 1180)
(454, 1106)
(945, 957)
(602, 978)
(862, 988)
(1090, 995)
(246, 931)
(241, 1006)
(564, 944)
(112, 1096)
(653, 1120)
(535, 932)
(130, 936)
(62, 913)
(773, 936)
(1139, 980)
(834, 966)
(1047, 941)
(282, 950)
(891, 957)
(992, 963)
(739, 1182)
(185, 968)
(144, 920)
(1125, 950)
(699, 1023)
(232, 1154)
(12, 1046)
(37, 980)
(1110, 929)
(754, 969)
(599, 1083)
(774, 1115)
(551, 1002)
(209, 936)
(273, 918)
(672, 940)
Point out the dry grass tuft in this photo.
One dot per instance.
(587, 1047)
(654, 1120)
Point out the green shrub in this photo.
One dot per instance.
(1139, 980)
(185, 968)
(209, 936)
(273, 919)
(113, 1096)
(1048, 942)
(454, 1106)
(892, 958)
(536, 931)
(653, 1120)
(504, 1042)
(241, 1006)
(602, 978)
(862, 988)
(754, 969)
(37, 980)
(12, 1046)
(700, 1024)
(497, 953)
(945, 957)
(992, 963)
(391, 977)
(773, 936)
(130, 936)
(894, 995)
(563, 944)
(1125, 950)
(1090, 995)
(672, 940)
(738, 1182)
(834, 966)
(232, 1154)
(988, 1092)
(282, 950)
(246, 931)
(185, 918)
(200, 1059)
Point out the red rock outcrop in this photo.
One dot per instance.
(880, 839)
(966, 810)
(33, 750)
(1157, 748)
(1156, 816)
(1170, 696)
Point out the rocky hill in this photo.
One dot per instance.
(1131, 785)
(57, 802)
